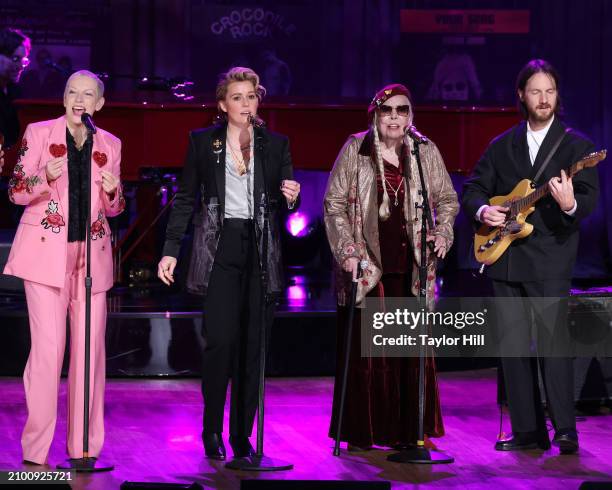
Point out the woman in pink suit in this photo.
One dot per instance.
(48, 253)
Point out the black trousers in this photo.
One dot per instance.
(521, 372)
(232, 321)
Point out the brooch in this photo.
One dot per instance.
(380, 100)
(217, 148)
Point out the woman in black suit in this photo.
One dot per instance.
(239, 169)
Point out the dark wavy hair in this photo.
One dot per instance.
(529, 70)
(11, 39)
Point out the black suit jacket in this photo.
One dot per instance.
(549, 252)
(204, 175)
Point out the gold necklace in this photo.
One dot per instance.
(241, 167)
(395, 191)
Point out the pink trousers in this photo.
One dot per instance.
(47, 307)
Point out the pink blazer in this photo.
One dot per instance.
(38, 253)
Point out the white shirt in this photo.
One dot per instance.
(534, 141)
(535, 138)
(238, 188)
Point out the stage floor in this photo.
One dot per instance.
(153, 434)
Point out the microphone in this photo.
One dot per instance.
(416, 135)
(87, 120)
(53, 65)
(256, 121)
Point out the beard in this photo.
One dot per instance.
(541, 113)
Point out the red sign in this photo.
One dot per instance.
(465, 21)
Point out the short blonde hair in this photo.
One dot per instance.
(86, 73)
(238, 74)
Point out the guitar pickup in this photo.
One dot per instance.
(488, 243)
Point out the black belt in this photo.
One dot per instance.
(238, 223)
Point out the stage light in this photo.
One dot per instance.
(296, 295)
(298, 225)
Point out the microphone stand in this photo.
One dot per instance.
(87, 464)
(419, 454)
(260, 462)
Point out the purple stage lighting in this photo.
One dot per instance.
(296, 295)
(297, 225)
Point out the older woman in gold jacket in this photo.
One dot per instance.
(370, 215)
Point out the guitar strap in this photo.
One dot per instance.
(551, 154)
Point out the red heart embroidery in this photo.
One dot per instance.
(100, 158)
(57, 150)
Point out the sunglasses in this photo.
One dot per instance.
(401, 110)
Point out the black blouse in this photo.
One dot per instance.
(79, 162)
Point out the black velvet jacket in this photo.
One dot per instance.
(204, 175)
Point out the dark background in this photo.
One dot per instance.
(334, 52)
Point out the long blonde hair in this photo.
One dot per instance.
(383, 210)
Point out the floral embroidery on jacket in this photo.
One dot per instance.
(23, 147)
(97, 227)
(53, 220)
(120, 202)
(20, 183)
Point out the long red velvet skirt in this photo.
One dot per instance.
(381, 406)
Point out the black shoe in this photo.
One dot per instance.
(241, 446)
(521, 441)
(566, 440)
(213, 445)
(352, 448)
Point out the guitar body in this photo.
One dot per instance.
(490, 242)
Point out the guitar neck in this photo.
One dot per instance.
(542, 191)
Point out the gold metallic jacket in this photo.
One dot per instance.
(351, 213)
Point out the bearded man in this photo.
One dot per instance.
(539, 265)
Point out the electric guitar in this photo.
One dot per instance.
(490, 242)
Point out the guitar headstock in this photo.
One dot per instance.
(589, 161)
